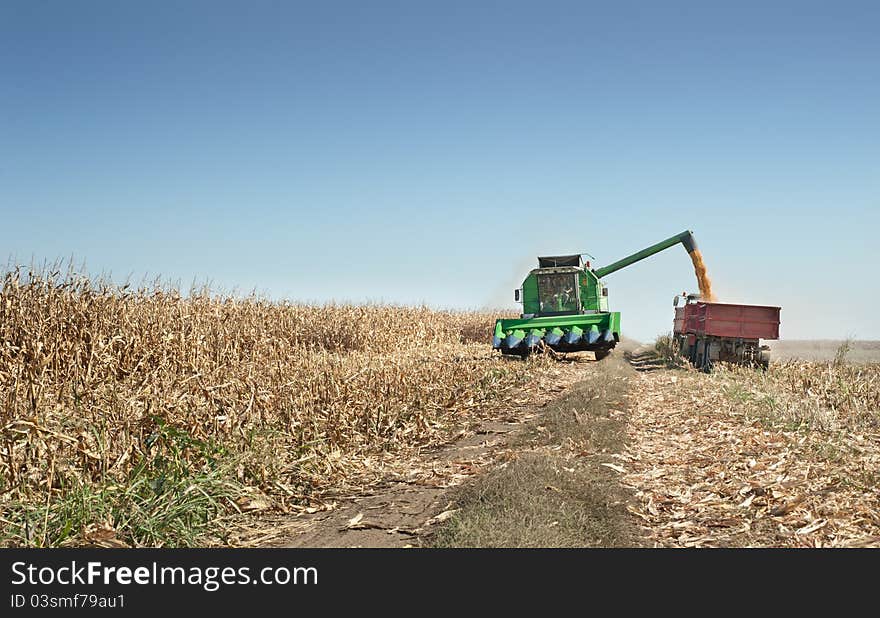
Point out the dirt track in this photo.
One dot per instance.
(626, 452)
(557, 449)
(402, 514)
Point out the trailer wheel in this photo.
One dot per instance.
(707, 362)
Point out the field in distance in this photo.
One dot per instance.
(825, 350)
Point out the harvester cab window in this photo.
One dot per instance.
(558, 293)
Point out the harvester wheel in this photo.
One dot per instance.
(600, 354)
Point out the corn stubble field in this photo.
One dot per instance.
(140, 417)
(789, 457)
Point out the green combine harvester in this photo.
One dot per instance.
(565, 305)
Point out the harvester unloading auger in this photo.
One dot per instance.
(565, 304)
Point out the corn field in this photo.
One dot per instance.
(140, 415)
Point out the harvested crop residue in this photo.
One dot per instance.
(740, 458)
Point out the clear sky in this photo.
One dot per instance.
(428, 151)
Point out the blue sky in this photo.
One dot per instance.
(427, 152)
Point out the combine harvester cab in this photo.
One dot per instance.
(565, 305)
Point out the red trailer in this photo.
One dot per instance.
(710, 332)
